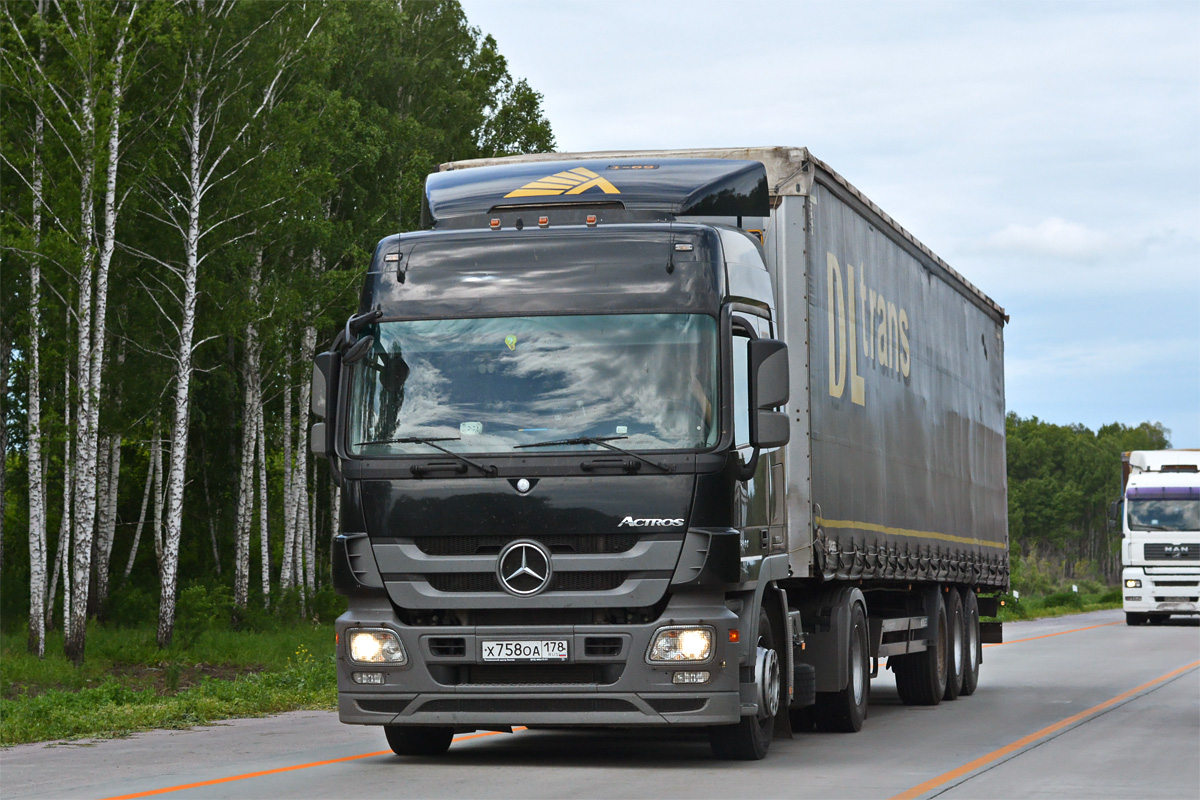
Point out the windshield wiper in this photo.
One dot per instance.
(601, 441)
(489, 470)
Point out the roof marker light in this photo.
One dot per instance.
(495, 223)
(543, 222)
(591, 220)
(684, 248)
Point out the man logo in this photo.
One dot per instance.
(575, 181)
(524, 568)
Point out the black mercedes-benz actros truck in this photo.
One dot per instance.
(691, 438)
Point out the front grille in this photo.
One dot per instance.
(467, 545)
(561, 582)
(532, 674)
(1167, 551)
(448, 647)
(1177, 599)
(519, 705)
(598, 646)
(1177, 583)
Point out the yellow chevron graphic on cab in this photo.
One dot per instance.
(574, 181)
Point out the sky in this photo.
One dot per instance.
(1048, 151)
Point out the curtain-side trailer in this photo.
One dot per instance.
(669, 438)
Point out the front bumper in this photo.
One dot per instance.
(604, 682)
(1161, 592)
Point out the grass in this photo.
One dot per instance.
(1058, 604)
(127, 684)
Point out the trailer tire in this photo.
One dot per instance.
(844, 711)
(974, 644)
(921, 677)
(1132, 618)
(956, 655)
(412, 740)
(749, 738)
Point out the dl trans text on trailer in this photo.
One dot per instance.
(690, 438)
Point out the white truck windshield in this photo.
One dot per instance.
(1170, 514)
(646, 381)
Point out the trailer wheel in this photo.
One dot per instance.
(974, 647)
(411, 740)
(921, 677)
(749, 738)
(956, 657)
(1132, 618)
(844, 711)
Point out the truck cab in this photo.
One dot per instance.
(1160, 520)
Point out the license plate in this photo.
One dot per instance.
(525, 650)
(1176, 599)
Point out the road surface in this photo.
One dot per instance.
(1074, 707)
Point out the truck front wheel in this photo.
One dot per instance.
(1132, 618)
(410, 740)
(844, 711)
(749, 738)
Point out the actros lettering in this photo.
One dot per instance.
(883, 333)
(650, 522)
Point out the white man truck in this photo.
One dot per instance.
(1160, 555)
(686, 439)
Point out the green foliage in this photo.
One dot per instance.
(1061, 480)
(125, 687)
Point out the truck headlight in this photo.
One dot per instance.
(375, 646)
(1133, 583)
(682, 644)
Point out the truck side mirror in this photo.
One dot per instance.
(769, 389)
(1114, 511)
(324, 401)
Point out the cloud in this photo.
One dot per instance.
(1054, 237)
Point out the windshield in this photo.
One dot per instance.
(1164, 515)
(643, 381)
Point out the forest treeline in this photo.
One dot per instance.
(189, 193)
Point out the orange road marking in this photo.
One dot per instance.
(996, 755)
(292, 768)
(1060, 633)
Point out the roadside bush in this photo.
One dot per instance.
(199, 610)
(132, 607)
(1064, 600)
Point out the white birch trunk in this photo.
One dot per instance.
(137, 533)
(108, 528)
(183, 380)
(160, 494)
(85, 477)
(303, 502)
(264, 538)
(37, 491)
(243, 518)
(287, 567)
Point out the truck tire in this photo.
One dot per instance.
(844, 711)
(956, 655)
(1132, 618)
(974, 645)
(921, 677)
(1159, 619)
(412, 740)
(750, 737)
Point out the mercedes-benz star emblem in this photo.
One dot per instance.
(524, 568)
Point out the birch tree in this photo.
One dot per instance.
(221, 69)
